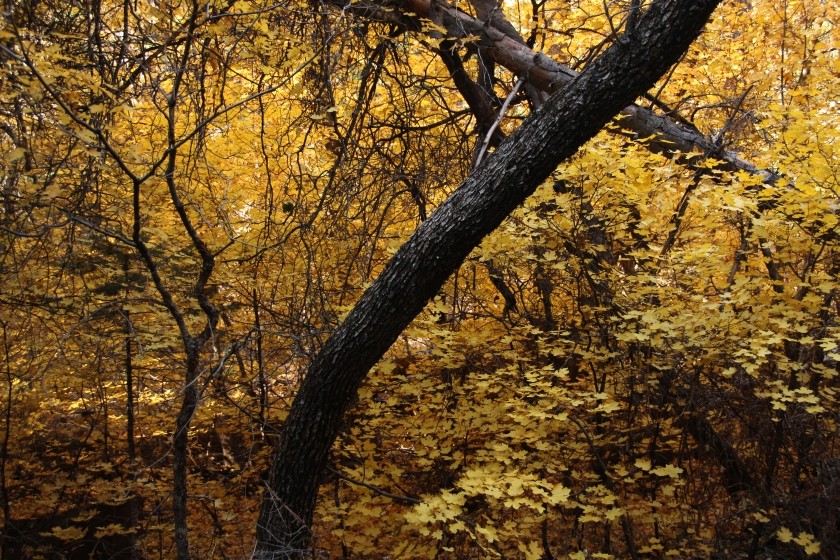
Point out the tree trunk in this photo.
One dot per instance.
(417, 271)
(180, 453)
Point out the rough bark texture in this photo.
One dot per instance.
(567, 120)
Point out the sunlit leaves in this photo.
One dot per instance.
(67, 533)
(805, 540)
(646, 298)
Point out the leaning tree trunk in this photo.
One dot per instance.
(417, 271)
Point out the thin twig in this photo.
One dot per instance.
(376, 489)
(489, 135)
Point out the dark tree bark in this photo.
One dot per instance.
(417, 271)
(735, 476)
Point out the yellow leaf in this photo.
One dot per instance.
(559, 495)
(14, 155)
(668, 470)
(489, 533)
(808, 542)
(784, 535)
(642, 464)
(112, 529)
(387, 366)
(515, 488)
(614, 513)
(66, 533)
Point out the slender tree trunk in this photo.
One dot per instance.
(134, 515)
(262, 384)
(4, 447)
(418, 270)
(180, 451)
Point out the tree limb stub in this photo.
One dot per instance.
(421, 266)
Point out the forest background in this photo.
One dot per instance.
(640, 362)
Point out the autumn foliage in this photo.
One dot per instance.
(641, 362)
